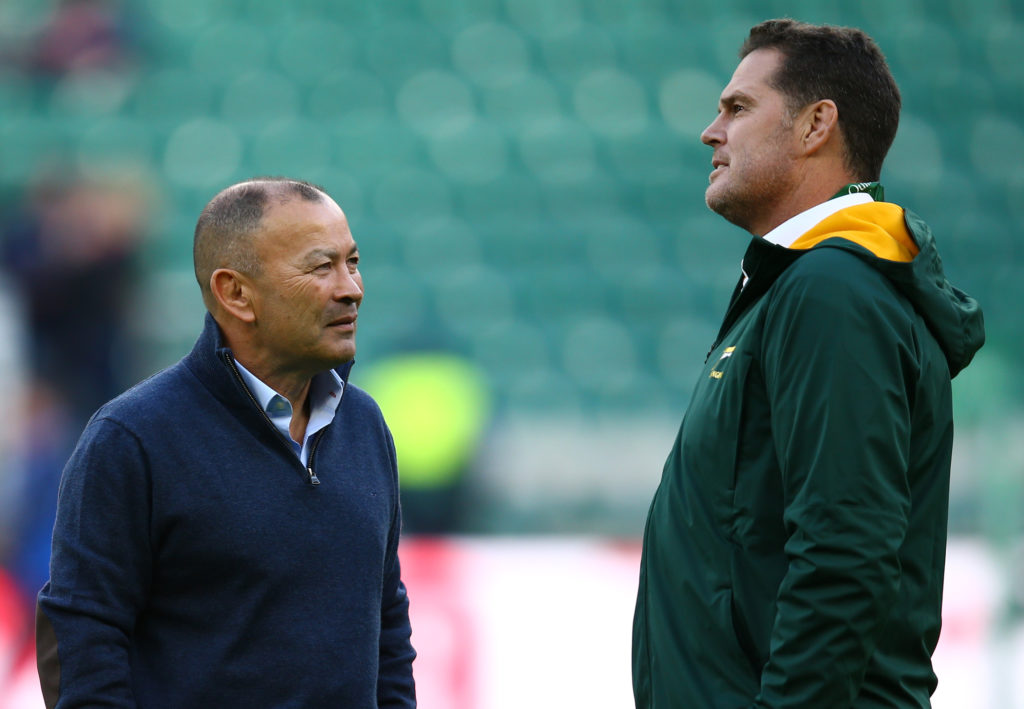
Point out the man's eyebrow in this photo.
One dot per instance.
(325, 252)
(320, 253)
(734, 98)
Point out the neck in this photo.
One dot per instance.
(814, 187)
(292, 385)
(294, 388)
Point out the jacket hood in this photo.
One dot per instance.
(900, 246)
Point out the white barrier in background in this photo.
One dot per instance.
(503, 623)
(547, 623)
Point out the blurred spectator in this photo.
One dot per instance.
(47, 438)
(68, 257)
(71, 249)
(81, 36)
(12, 385)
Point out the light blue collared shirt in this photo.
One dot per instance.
(325, 391)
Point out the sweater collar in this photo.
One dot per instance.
(211, 359)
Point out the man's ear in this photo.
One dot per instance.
(820, 126)
(233, 291)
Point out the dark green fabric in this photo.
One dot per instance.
(794, 551)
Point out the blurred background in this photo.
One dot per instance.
(525, 180)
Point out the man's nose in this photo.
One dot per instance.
(349, 286)
(713, 135)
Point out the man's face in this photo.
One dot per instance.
(308, 293)
(753, 140)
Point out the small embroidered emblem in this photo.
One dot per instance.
(716, 371)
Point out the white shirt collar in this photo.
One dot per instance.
(325, 391)
(795, 227)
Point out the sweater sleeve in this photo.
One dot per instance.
(837, 358)
(99, 572)
(395, 685)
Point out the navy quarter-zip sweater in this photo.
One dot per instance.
(196, 564)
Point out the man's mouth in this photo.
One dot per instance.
(344, 322)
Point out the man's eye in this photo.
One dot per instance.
(736, 108)
(326, 266)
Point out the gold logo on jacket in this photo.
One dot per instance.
(716, 371)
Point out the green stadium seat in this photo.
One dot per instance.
(583, 201)
(491, 54)
(996, 145)
(372, 144)
(599, 354)
(468, 297)
(436, 103)
(169, 96)
(688, 101)
(115, 142)
(90, 94)
(438, 246)
(410, 195)
(255, 97)
(571, 55)
(558, 293)
(521, 105)
(348, 191)
(188, 16)
(538, 159)
(293, 147)
(203, 153)
(340, 93)
(542, 18)
(398, 49)
(916, 155)
(459, 14)
(506, 345)
(17, 95)
(682, 344)
(30, 143)
(612, 103)
(308, 50)
(397, 312)
(653, 156)
(223, 51)
(560, 151)
(478, 153)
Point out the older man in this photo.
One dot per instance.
(227, 530)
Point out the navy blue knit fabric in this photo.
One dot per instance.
(195, 565)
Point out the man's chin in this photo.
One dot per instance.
(341, 355)
(729, 209)
(715, 200)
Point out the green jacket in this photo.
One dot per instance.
(794, 550)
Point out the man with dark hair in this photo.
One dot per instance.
(794, 550)
(227, 530)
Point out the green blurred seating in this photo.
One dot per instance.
(524, 177)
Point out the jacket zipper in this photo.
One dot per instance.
(306, 469)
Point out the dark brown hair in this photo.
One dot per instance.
(842, 64)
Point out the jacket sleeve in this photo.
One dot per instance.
(395, 685)
(99, 572)
(838, 358)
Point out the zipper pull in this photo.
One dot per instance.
(313, 479)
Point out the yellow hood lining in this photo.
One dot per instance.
(877, 226)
